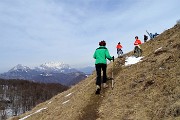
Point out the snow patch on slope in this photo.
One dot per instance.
(132, 60)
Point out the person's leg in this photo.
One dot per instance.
(136, 51)
(121, 51)
(104, 66)
(98, 79)
(118, 52)
(98, 73)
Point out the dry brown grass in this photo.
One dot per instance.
(148, 90)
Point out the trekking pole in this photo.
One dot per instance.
(112, 84)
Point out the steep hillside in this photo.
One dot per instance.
(148, 90)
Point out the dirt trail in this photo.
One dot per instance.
(91, 111)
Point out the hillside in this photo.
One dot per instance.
(147, 90)
(19, 96)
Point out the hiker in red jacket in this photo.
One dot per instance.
(119, 49)
(137, 41)
(137, 48)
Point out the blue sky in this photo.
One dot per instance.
(33, 32)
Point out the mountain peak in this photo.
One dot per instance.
(58, 65)
(19, 67)
(55, 67)
(45, 66)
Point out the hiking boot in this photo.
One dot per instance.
(98, 89)
(105, 85)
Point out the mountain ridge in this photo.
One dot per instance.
(52, 72)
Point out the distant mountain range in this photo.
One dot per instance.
(87, 70)
(52, 72)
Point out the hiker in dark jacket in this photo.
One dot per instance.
(145, 38)
(101, 54)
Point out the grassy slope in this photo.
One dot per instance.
(148, 90)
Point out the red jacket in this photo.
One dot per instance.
(137, 42)
(119, 46)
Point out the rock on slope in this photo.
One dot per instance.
(148, 90)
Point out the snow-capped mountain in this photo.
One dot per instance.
(52, 72)
(20, 67)
(55, 67)
(58, 65)
(19, 72)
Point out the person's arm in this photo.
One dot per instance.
(117, 46)
(121, 47)
(135, 43)
(108, 55)
(147, 32)
(140, 42)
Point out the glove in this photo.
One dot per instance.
(113, 58)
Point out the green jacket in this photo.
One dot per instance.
(101, 54)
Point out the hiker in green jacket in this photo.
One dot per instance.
(101, 54)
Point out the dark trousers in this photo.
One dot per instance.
(98, 72)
